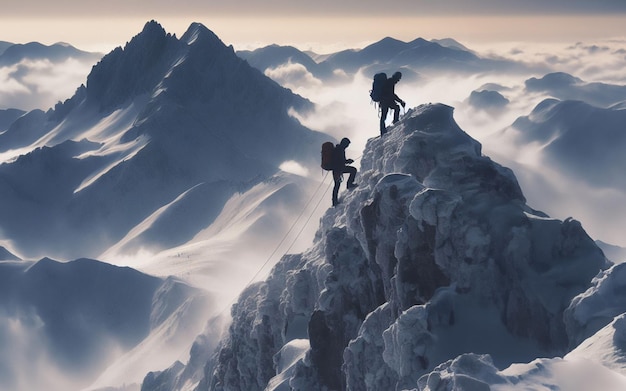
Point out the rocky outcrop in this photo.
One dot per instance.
(434, 255)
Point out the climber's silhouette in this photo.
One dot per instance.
(388, 101)
(340, 167)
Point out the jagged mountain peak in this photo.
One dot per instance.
(136, 69)
(153, 28)
(156, 118)
(199, 33)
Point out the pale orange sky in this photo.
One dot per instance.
(324, 34)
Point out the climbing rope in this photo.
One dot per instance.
(293, 225)
(269, 258)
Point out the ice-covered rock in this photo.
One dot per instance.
(598, 306)
(433, 256)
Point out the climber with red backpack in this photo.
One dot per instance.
(383, 92)
(334, 159)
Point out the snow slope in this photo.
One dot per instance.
(61, 324)
(433, 274)
(7, 117)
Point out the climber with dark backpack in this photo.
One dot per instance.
(334, 159)
(383, 92)
(376, 93)
(328, 149)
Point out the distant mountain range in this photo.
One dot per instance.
(564, 86)
(579, 139)
(14, 53)
(37, 76)
(388, 55)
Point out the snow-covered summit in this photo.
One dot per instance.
(433, 256)
(156, 118)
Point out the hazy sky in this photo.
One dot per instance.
(331, 24)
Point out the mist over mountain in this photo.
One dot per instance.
(487, 100)
(156, 119)
(388, 54)
(419, 53)
(564, 86)
(581, 140)
(37, 76)
(616, 254)
(82, 314)
(15, 53)
(274, 56)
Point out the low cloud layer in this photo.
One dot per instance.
(40, 84)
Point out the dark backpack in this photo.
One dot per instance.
(328, 149)
(376, 93)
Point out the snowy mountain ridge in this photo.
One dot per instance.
(156, 119)
(415, 57)
(433, 273)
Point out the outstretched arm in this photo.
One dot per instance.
(397, 99)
